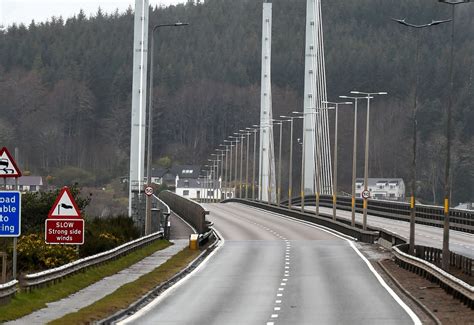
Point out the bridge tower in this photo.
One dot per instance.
(267, 179)
(137, 139)
(317, 152)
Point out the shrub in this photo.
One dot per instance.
(35, 255)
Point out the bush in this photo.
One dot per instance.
(35, 255)
(102, 234)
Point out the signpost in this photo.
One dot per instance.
(64, 224)
(10, 214)
(149, 190)
(10, 203)
(366, 194)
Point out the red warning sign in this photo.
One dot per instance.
(8, 167)
(64, 231)
(64, 224)
(65, 206)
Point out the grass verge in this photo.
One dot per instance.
(25, 303)
(130, 292)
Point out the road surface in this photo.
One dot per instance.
(459, 242)
(272, 270)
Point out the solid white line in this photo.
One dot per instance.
(402, 304)
(165, 293)
(410, 312)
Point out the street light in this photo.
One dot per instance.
(411, 247)
(257, 128)
(447, 189)
(247, 133)
(241, 137)
(334, 188)
(231, 160)
(302, 159)
(354, 156)
(150, 125)
(290, 168)
(237, 140)
(368, 96)
(280, 123)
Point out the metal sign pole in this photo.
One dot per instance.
(15, 241)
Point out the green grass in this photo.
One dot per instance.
(130, 292)
(25, 303)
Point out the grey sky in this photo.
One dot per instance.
(23, 11)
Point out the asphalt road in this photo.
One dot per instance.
(272, 270)
(459, 242)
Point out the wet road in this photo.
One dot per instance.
(273, 270)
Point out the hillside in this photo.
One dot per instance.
(65, 86)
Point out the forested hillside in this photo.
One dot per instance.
(65, 85)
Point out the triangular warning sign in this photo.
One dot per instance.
(65, 206)
(8, 167)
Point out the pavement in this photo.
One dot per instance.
(272, 270)
(106, 286)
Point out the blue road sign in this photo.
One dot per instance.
(10, 214)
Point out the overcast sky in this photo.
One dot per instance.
(23, 11)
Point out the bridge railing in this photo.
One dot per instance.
(189, 210)
(461, 220)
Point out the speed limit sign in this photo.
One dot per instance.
(365, 194)
(148, 190)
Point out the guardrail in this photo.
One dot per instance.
(8, 290)
(187, 209)
(161, 211)
(458, 288)
(461, 220)
(36, 280)
(419, 264)
(366, 236)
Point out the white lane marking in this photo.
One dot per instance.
(278, 301)
(285, 280)
(407, 309)
(270, 323)
(287, 267)
(279, 295)
(274, 315)
(276, 308)
(165, 293)
(412, 315)
(281, 289)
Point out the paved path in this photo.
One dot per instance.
(272, 270)
(98, 290)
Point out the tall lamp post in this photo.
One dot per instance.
(302, 159)
(411, 247)
(241, 137)
(255, 130)
(334, 188)
(229, 180)
(150, 125)
(247, 133)
(447, 189)
(290, 168)
(368, 96)
(236, 169)
(354, 157)
(280, 123)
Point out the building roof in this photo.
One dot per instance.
(196, 183)
(26, 181)
(376, 181)
(158, 171)
(186, 171)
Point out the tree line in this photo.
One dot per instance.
(65, 86)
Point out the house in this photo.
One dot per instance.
(198, 189)
(382, 188)
(26, 183)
